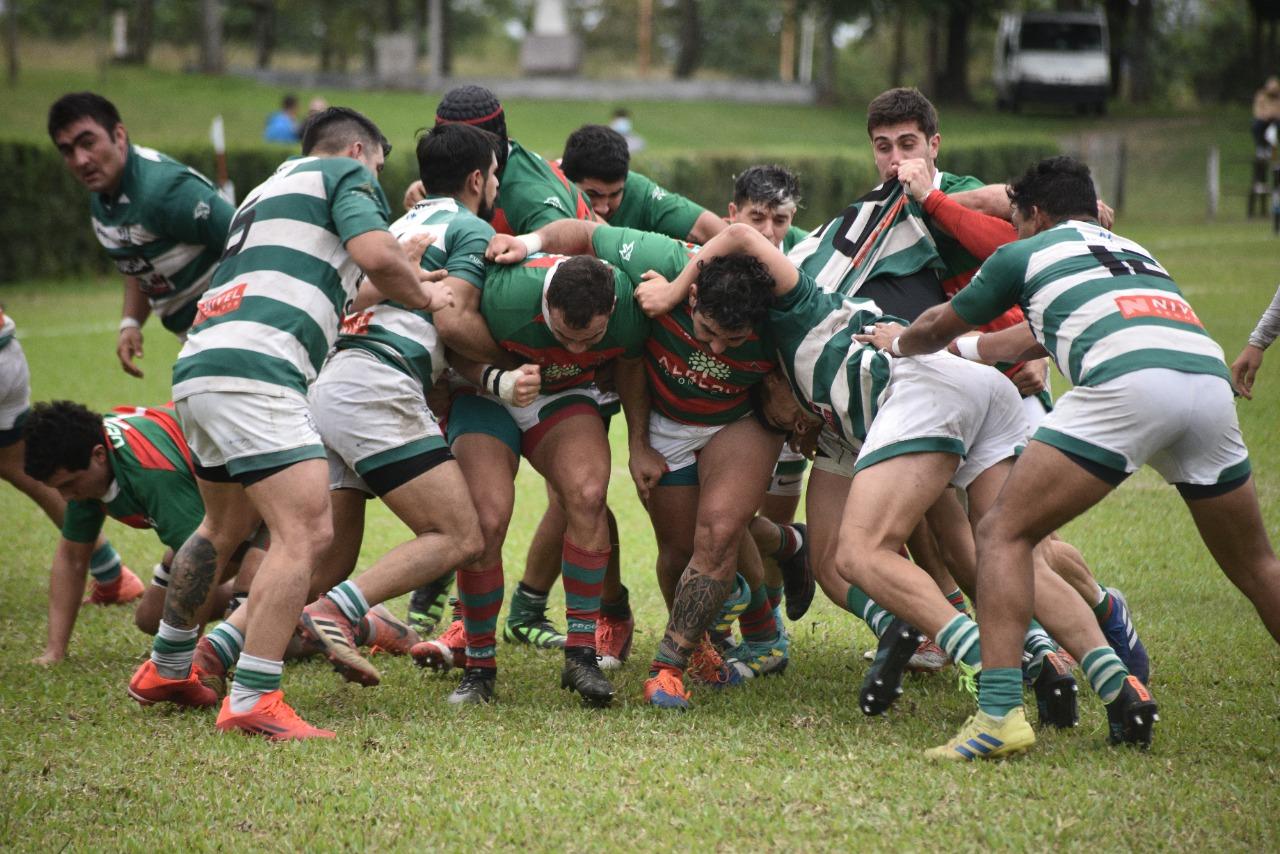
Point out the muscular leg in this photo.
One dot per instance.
(673, 511)
(1232, 528)
(339, 560)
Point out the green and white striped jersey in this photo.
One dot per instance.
(166, 224)
(284, 282)
(405, 338)
(881, 234)
(7, 327)
(1100, 304)
(838, 379)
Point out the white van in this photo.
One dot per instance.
(1053, 57)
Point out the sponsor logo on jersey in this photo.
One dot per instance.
(658, 194)
(555, 203)
(704, 363)
(624, 251)
(1166, 308)
(224, 302)
(553, 373)
(201, 211)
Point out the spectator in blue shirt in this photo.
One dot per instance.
(282, 125)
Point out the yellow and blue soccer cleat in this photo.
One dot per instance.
(986, 737)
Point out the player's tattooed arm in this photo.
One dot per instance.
(195, 567)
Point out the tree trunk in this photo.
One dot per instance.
(690, 54)
(446, 30)
(1118, 30)
(264, 32)
(932, 51)
(827, 60)
(953, 87)
(11, 41)
(211, 58)
(395, 22)
(644, 37)
(898, 62)
(1142, 84)
(143, 32)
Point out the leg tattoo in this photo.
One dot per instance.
(696, 603)
(191, 578)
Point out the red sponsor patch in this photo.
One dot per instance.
(227, 301)
(1169, 308)
(356, 324)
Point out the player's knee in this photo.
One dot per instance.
(470, 539)
(586, 496)
(716, 543)
(147, 615)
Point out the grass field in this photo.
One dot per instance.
(785, 763)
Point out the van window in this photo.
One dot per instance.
(1060, 36)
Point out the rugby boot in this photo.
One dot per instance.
(426, 604)
(270, 717)
(213, 674)
(443, 653)
(1117, 628)
(987, 737)
(125, 588)
(476, 687)
(613, 640)
(1132, 714)
(324, 621)
(581, 673)
(707, 667)
(383, 632)
(751, 659)
(538, 633)
(665, 689)
(883, 682)
(735, 604)
(928, 658)
(798, 585)
(1056, 693)
(148, 687)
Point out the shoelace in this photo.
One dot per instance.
(967, 678)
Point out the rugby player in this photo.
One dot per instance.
(113, 583)
(597, 159)
(370, 406)
(1150, 386)
(163, 223)
(287, 275)
(920, 425)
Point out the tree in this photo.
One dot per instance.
(953, 85)
(689, 55)
(264, 31)
(211, 58)
(11, 40)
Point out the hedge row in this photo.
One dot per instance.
(44, 229)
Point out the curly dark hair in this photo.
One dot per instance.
(582, 288)
(1060, 187)
(734, 291)
(596, 151)
(60, 435)
(768, 185)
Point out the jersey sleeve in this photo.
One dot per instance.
(465, 252)
(959, 183)
(195, 212)
(82, 521)
(356, 202)
(978, 233)
(628, 326)
(995, 288)
(660, 209)
(539, 214)
(636, 252)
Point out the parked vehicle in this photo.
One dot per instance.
(1053, 57)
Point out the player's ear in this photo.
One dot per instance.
(98, 454)
(733, 210)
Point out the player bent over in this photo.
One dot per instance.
(926, 424)
(289, 270)
(1150, 386)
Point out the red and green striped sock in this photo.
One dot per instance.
(774, 594)
(583, 574)
(480, 596)
(956, 598)
(757, 622)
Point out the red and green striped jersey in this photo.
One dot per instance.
(405, 338)
(533, 192)
(285, 281)
(166, 225)
(648, 207)
(514, 306)
(687, 382)
(154, 485)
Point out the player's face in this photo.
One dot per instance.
(605, 196)
(893, 144)
(489, 194)
(87, 484)
(577, 340)
(716, 337)
(772, 222)
(95, 155)
(781, 409)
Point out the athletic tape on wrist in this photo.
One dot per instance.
(129, 323)
(532, 242)
(967, 347)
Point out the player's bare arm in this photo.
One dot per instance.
(137, 308)
(930, 332)
(559, 237)
(388, 268)
(66, 587)
(518, 386)
(647, 465)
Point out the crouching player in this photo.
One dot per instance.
(1150, 386)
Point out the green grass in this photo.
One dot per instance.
(787, 763)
